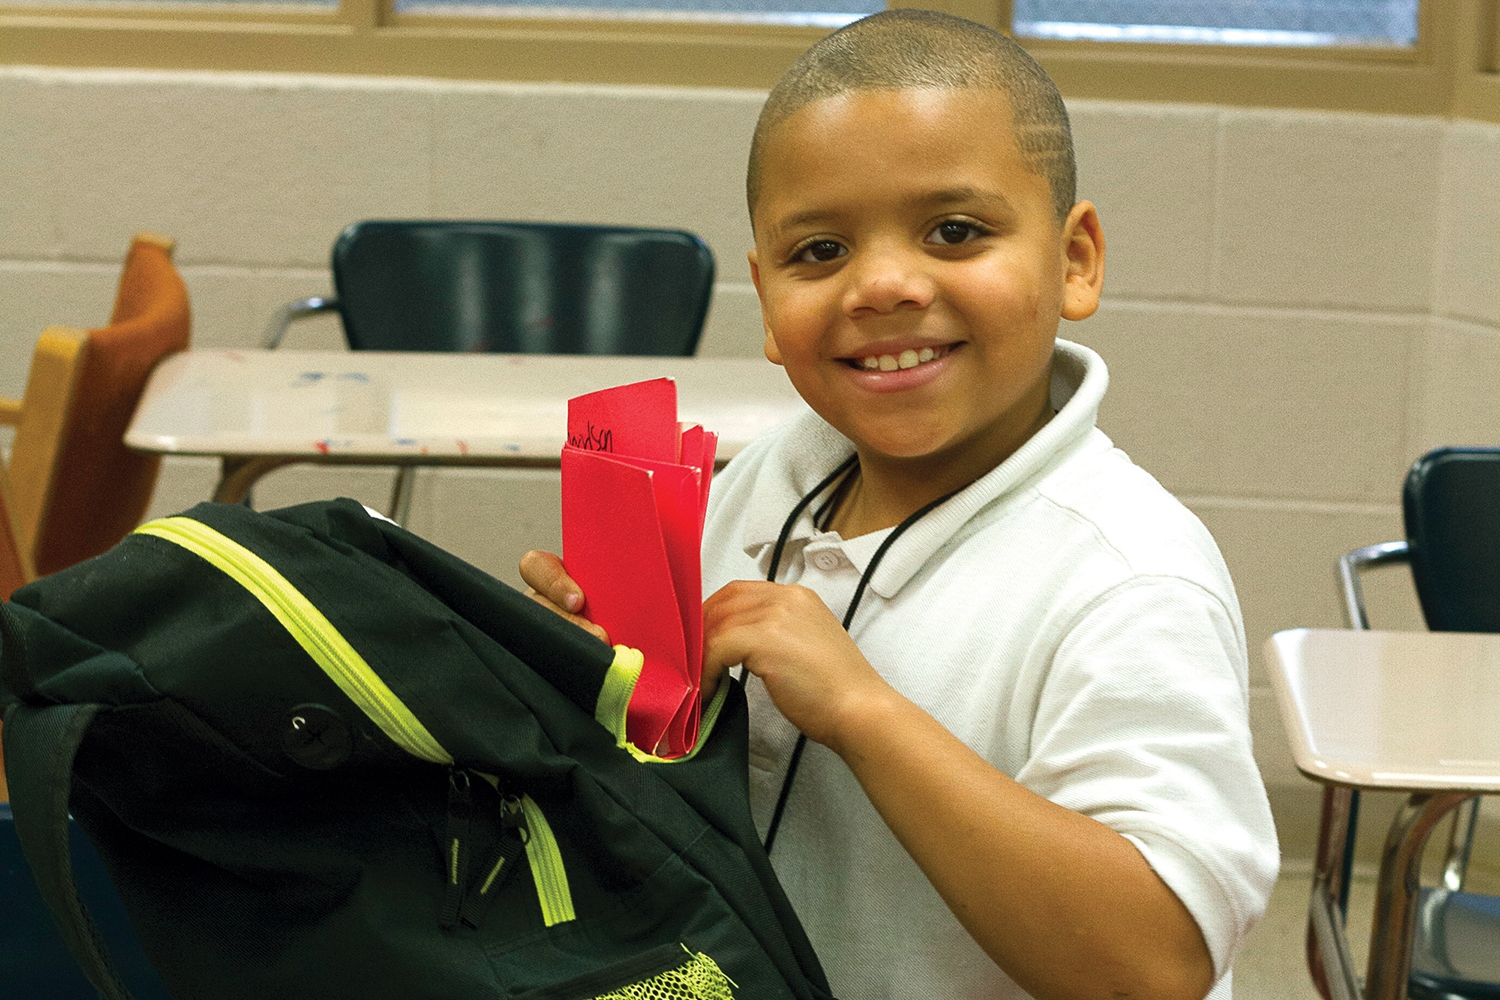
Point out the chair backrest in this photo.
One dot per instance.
(1451, 503)
(521, 287)
(14, 570)
(77, 488)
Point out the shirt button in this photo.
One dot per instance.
(826, 561)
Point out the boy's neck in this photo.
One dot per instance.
(889, 490)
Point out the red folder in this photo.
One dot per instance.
(634, 492)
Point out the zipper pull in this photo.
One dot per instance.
(500, 865)
(513, 817)
(456, 846)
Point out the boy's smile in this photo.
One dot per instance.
(912, 272)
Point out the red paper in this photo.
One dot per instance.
(634, 491)
(637, 420)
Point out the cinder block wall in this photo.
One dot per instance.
(1298, 304)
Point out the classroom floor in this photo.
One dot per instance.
(1271, 965)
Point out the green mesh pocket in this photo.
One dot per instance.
(698, 978)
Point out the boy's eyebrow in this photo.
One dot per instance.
(803, 218)
(994, 200)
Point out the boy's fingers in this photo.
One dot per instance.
(578, 620)
(710, 680)
(544, 573)
(725, 649)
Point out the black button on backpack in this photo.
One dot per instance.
(321, 757)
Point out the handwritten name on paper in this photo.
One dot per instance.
(593, 439)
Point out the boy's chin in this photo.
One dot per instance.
(936, 451)
(902, 447)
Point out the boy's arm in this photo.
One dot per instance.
(1066, 906)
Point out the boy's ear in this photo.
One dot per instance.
(1083, 262)
(773, 353)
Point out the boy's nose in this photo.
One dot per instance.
(886, 281)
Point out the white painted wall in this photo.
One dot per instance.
(1298, 304)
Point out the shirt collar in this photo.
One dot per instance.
(811, 449)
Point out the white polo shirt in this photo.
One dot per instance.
(1066, 618)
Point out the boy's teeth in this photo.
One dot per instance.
(908, 358)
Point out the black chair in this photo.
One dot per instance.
(1451, 506)
(515, 287)
(512, 287)
(34, 961)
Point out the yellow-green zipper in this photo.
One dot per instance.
(357, 679)
(614, 702)
(546, 866)
(313, 632)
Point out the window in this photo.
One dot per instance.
(1420, 57)
(96, 7)
(105, 8)
(1217, 22)
(816, 13)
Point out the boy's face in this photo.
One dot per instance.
(902, 230)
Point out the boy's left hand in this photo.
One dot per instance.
(785, 635)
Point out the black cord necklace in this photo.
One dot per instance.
(844, 476)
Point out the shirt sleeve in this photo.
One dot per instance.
(1143, 724)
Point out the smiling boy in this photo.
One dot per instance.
(1026, 767)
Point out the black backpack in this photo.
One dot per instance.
(321, 757)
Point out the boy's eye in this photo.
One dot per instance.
(820, 251)
(953, 232)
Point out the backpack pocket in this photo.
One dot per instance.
(312, 630)
(670, 972)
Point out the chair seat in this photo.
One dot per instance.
(1456, 953)
(34, 962)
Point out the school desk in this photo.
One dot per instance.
(1416, 712)
(259, 410)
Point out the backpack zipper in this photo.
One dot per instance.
(312, 630)
(613, 704)
(546, 866)
(357, 679)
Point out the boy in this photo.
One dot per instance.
(1027, 768)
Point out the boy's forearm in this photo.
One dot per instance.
(1065, 905)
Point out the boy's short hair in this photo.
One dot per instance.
(908, 48)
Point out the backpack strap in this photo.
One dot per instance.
(40, 744)
(15, 681)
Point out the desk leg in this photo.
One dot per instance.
(1327, 947)
(238, 474)
(1396, 893)
(401, 491)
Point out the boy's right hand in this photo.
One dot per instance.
(550, 586)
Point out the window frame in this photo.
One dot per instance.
(1450, 70)
(1453, 70)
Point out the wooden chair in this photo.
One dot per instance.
(76, 489)
(14, 569)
